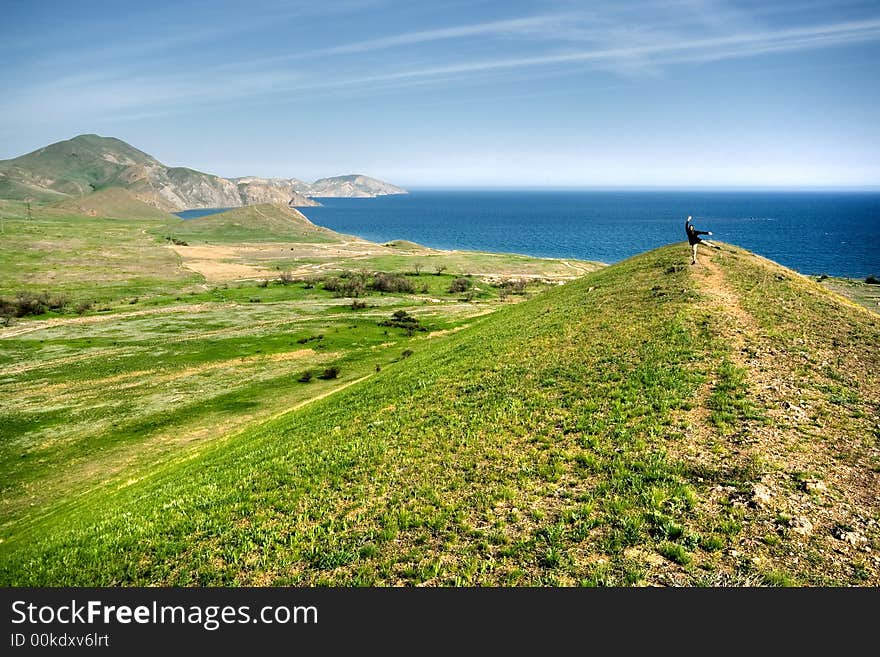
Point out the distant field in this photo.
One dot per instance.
(85, 258)
(106, 261)
(862, 293)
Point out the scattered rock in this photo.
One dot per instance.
(855, 539)
(761, 495)
(815, 486)
(852, 538)
(801, 525)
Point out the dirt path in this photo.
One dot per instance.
(323, 395)
(800, 486)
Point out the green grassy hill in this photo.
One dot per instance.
(74, 167)
(649, 423)
(254, 223)
(114, 202)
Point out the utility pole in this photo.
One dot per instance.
(29, 215)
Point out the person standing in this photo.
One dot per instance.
(693, 236)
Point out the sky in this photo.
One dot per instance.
(471, 93)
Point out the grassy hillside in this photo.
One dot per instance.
(114, 202)
(17, 189)
(650, 423)
(254, 223)
(74, 167)
(82, 258)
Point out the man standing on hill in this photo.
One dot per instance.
(694, 238)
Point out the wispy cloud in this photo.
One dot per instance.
(544, 25)
(694, 49)
(513, 27)
(618, 40)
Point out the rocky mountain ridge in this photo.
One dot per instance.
(89, 163)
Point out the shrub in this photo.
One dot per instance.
(406, 353)
(460, 285)
(305, 377)
(353, 287)
(402, 319)
(383, 282)
(358, 305)
(517, 286)
(285, 277)
(31, 303)
(439, 269)
(329, 373)
(346, 285)
(83, 307)
(263, 283)
(872, 280)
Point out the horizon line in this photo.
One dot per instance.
(647, 188)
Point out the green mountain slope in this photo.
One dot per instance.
(89, 163)
(76, 166)
(114, 202)
(650, 423)
(254, 223)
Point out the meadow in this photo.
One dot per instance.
(646, 423)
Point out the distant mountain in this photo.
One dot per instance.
(89, 163)
(353, 186)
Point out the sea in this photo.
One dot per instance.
(812, 232)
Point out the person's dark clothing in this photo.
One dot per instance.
(693, 234)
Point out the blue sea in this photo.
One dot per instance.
(837, 233)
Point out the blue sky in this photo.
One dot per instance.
(668, 93)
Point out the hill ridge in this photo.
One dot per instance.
(263, 222)
(648, 423)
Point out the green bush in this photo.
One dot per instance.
(31, 303)
(460, 285)
(383, 282)
(346, 285)
(329, 373)
(402, 319)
